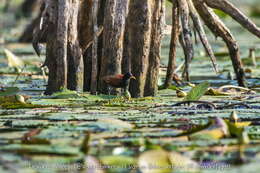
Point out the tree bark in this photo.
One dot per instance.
(85, 24)
(151, 85)
(139, 28)
(94, 63)
(56, 55)
(126, 61)
(173, 46)
(75, 61)
(113, 34)
(87, 59)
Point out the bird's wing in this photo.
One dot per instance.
(113, 80)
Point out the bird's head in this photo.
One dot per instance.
(129, 75)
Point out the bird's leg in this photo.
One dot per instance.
(109, 90)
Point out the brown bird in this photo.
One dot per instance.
(118, 81)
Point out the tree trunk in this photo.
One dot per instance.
(139, 28)
(75, 61)
(28, 6)
(87, 59)
(94, 63)
(56, 55)
(151, 85)
(114, 27)
(126, 61)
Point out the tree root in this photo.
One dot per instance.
(174, 42)
(199, 28)
(219, 29)
(200, 9)
(185, 39)
(235, 13)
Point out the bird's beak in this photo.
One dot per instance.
(132, 77)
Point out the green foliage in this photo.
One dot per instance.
(197, 92)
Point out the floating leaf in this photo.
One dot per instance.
(237, 128)
(216, 130)
(242, 124)
(155, 161)
(93, 165)
(208, 134)
(197, 92)
(61, 150)
(195, 129)
(181, 163)
(118, 163)
(9, 91)
(118, 124)
(161, 161)
(13, 61)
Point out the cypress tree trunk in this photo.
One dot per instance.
(126, 61)
(94, 63)
(139, 28)
(72, 26)
(75, 61)
(113, 36)
(151, 85)
(56, 56)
